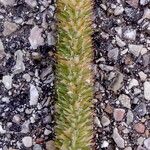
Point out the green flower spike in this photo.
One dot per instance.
(74, 87)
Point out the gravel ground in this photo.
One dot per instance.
(122, 74)
(27, 42)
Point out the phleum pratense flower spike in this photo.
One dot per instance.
(74, 85)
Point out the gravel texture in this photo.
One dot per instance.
(27, 44)
(121, 67)
(122, 74)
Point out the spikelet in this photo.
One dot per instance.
(74, 78)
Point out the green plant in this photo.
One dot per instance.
(74, 77)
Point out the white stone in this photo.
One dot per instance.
(44, 21)
(19, 67)
(27, 77)
(105, 121)
(128, 148)
(37, 147)
(119, 82)
(103, 6)
(7, 81)
(106, 67)
(118, 10)
(130, 34)
(120, 43)
(144, 2)
(135, 49)
(119, 31)
(31, 3)
(133, 83)
(147, 143)
(113, 53)
(124, 51)
(2, 131)
(142, 75)
(147, 90)
(140, 140)
(104, 144)
(25, 127)
(35, 37)
(27, 141)
(5, 99)
(126, 131)
(111, 76)
(118, 139)
(47, 132)
(32, 119)
(51, 39)
(2, 53)
(7, 2)
(129, 117)
(1, 46)
(34, 95)
(9, 28)
(18, 20)
(125, 100)
(16, 119)
(143, 51)
(97, 122)
(146, 13)
(137, 91)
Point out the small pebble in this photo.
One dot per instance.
(35, 37)
(139, 127)
(128, 148)
(118, 82)
(147, 90)
(142, 75)
(140, 140)
(118, 10)
(147, 143)
(47, 132)
(16, 119)
(2, 131)
(133, 83)
(9, 27)
(119, 114)
(133, 3)
(105, 121)
(2, 53)
(37, 147)
(125, 100)
(34, 95)
(7, 81)
(97, 122)
(7, 2)
(118, 139)
(135, 49)
(31, 3)
(27, 141)
(50, 39)
(113, 53)
(130, 34)
(140, 109)
(27, 77)
(141, 148)
(120, 43)
(104, 144)
(5, 100)
(144, 2)
(19, 66)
